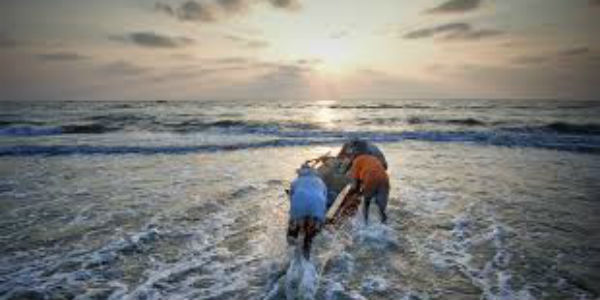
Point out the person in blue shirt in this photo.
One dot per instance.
(308, 196)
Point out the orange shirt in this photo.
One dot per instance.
(369, 170)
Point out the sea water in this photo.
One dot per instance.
(490, 199)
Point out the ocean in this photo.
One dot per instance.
(490, 199)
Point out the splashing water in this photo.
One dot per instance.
(301, 279)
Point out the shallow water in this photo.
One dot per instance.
(467, 219)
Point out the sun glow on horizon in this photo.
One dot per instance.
(324, 115)
(333, 54)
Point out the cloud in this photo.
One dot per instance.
(204, 11)
(287, 4)
(372, 72)
(530, 59)
(257, 44)
(165, 8)
(234, 6)
(471, 35)
(62, 56)
(154, 40)
(247, 42)
(232, 60)
(574, 51)
(196, 11)
(594, 2)
(7, 42)
(278, 81)
(121, 67)
(217, 10)
(435, 67)
(453, 31)
(429, 32)
(569, 56)
(314, 61)
(377, 83)
(576, 80)
(455, 6)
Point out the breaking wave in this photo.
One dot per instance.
(574, 143)
(110, 123)
(561, 128)
(464, 122)
(92, 128)
(105, 124)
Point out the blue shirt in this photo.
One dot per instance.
(308, 196)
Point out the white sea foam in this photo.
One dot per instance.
(375, 235)
(301, 279)
(494, 276)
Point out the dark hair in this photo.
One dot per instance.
(359, 146)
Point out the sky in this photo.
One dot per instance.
(299, 49)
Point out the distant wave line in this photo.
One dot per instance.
(288, 129)
(513, 140)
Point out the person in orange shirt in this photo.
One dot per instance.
(370, 180)
(355, 147)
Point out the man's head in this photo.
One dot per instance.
(352, 148)
(358, 146)
(306, 170)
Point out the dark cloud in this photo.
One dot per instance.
(314, 61)
(164, 8)
(440, 29)
(287, 4)
(568, 56)
(151, 39)
(455, 6)
(574, 51)
(190, 11)
(216, 10)
(154, 40)
(594, 2)
(473, 34)
(453, 31)
(62, 56)
(292, 70)
(234, 6)
(203, 11)
(7, 42)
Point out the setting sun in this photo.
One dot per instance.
(333, 54)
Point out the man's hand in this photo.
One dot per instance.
(354, 186)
